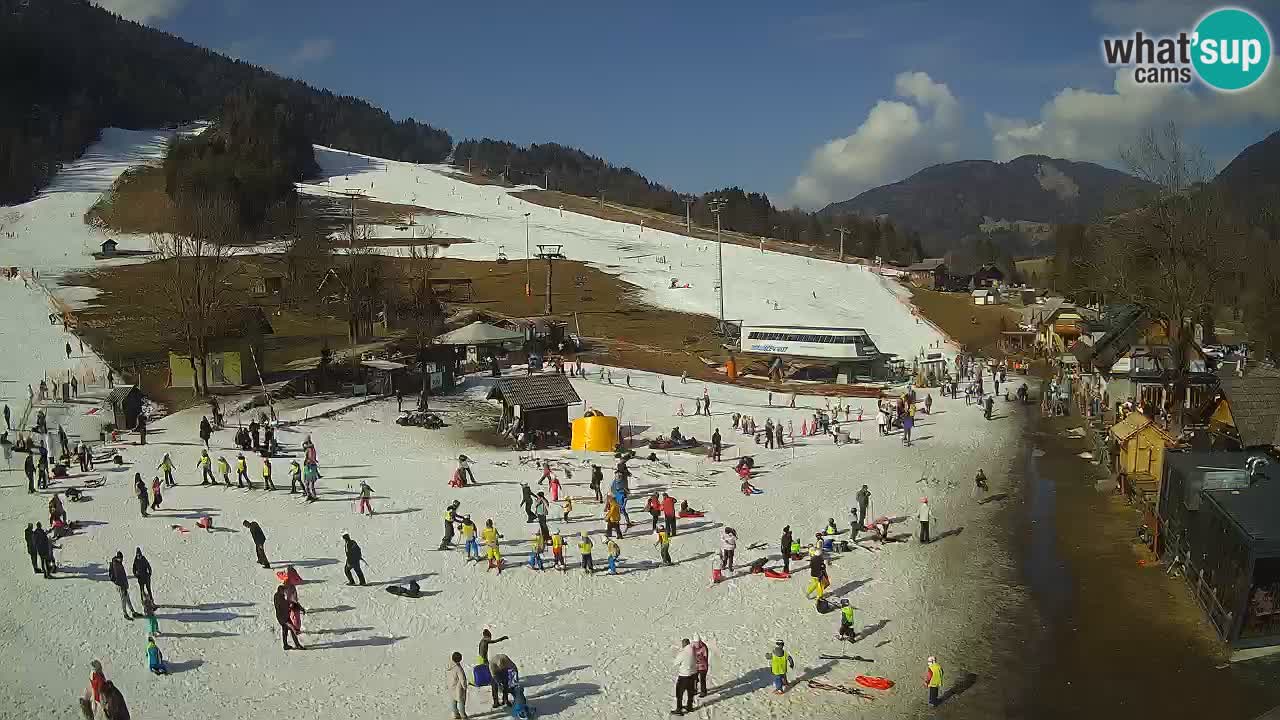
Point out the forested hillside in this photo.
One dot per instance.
(573, 171)
(71, 68)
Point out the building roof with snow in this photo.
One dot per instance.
(535, 392)
(479, 333)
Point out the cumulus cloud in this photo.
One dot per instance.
(1088, 125)
(311, 50)
(142, 10)
(896, 138)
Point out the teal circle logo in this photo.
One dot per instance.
(1231, 49)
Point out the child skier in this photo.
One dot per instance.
(535, 551)
(470, 546)
(566, 508)
(366, 493)
(584, 545)
(554, 482)
(664, 547)
(490, 536)
(166, 465)
(846, 631)
(295, 476)
(149, 611)
(266, 473)
(557, 551)
(156, 497)
(205, 464)
(224, 469)
(779, 662)
(242, 472)
(155, 660)
(615, 552)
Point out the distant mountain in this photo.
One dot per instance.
(946, 203)
(1252, 179)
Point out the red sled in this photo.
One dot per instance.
(776, 574)
(690, 514)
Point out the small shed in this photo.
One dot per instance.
(537, 403)
(986, 296)
(109, 248)
(124, 402)
(381, 375)
(1140, 445)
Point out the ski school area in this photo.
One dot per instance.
(401, 555)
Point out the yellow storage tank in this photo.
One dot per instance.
(598, 433)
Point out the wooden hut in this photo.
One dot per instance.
(1140, 445)
(538, 403)
(124, 403)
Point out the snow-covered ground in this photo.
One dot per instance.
(587, 646)
(807, 291)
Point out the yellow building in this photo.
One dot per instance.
(1139, 462)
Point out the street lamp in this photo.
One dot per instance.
(527, 277)
(716, 205)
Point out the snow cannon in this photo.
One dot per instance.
(597, 433)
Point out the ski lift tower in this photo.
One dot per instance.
(550, 253)
(716, 205)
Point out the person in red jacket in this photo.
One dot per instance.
(669, 513)
(96, 680)
(654, 506)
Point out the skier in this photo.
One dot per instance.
(142, 573)
(224, 469)
(706, 402)
(847, 631)
(933, 679)
(615, 552)
(166, 466)
(779, 662)
(366, 495)
(557, 550)
(536, 544)
(686, 678)
(94, 692)
(44, 549)
(266, 473)
(490, 537)
(585, 546)
(597, 478)
(988, 405)
(68, 351)
(205, 463)
(728, 544)
(907, 423)
(113, 706)
(156, 497)
(785, 546)
(242, 472)
(701, 663)
(566, 507)
(817, 573)
(669, 513)
(206, 431)
(654, 506)
(554, 484)
(526, 502)
(253, 433)
(30, 536)
(140, 491)
(664, 547)
(456, 681)
(120, 579)
(295, 476)
(354, 558)
(715, 445)
(29, 467)
(155, 660)
(464, 470)
(310, 473)
(259, 542)
(863, 497)
(613, 518)
(284, 607)
(980, 482)
(923, 516)
(141, 426)
(450, 517)
(540, 509)
(469, 544)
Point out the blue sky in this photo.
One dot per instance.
(808, 101)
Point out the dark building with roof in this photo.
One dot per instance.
(1247, 409)
(539, 403)
(1222, 518)
(124, 402)
(929, 273)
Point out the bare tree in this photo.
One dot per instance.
(198, 264)
(363, 281)
(1262, 286)
(426, 314)
(1174, 256)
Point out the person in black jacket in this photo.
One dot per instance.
(141, 427)
(354, 558)
(206, 431)
(30, 536)
(597, 477)
(120, 579)
(44, 549)
(113, 707)
(786, 549)
(142, 572)
(283, 605)
(259, 542)
(526, 502)
(140, 490)
(30, 468)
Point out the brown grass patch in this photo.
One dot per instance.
(975, 327)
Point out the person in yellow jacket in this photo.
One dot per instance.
(206, 469)
(536, 544)
(584, 546)
(166, 464)
(295, 476)
(557, 551)
(933, 680)
(490, 536)
(469, 543)
(664, 547)
(242, 472)
(266, 473)
(612, 518)
(224, 469)
(566, 507)
(779, 662)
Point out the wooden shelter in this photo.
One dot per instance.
(537, 403)
(124, 402)
(1139, 446)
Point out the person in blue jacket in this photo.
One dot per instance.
(155, 661)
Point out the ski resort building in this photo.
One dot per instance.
(836, 354)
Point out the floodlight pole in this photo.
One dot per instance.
(842, 232)
(689, 200)
(716, 205)
(528, 287)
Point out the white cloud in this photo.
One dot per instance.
(311, 50)
(142, 10)
(895, 139)
(1088, 125)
